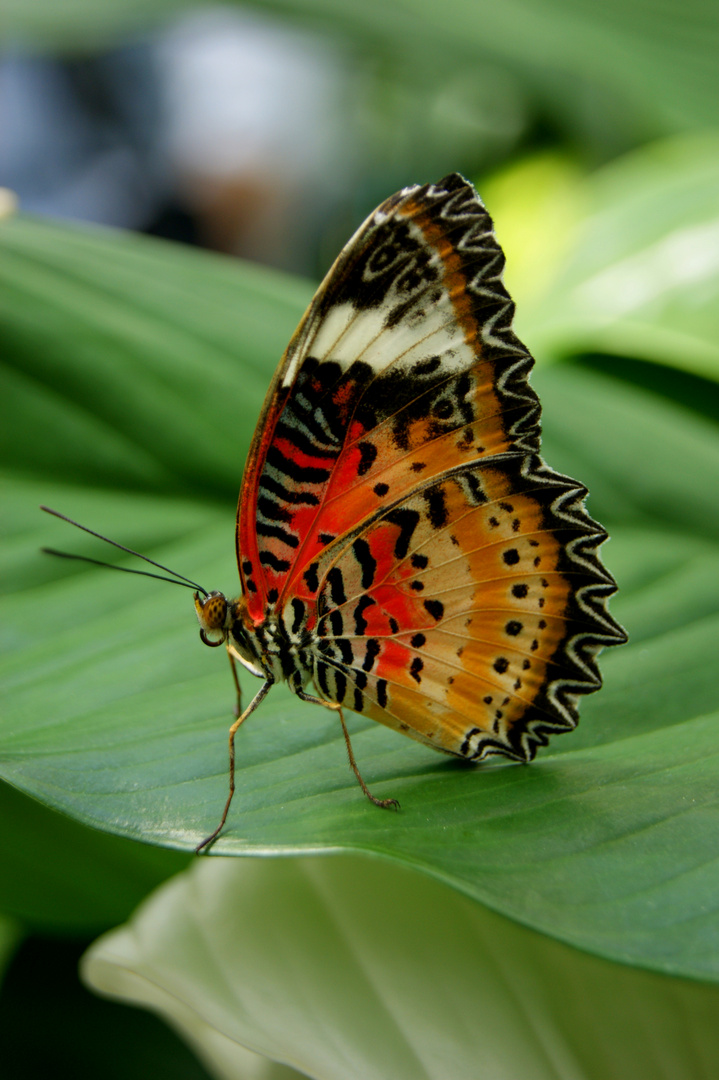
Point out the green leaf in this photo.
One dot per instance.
(633, 267)
(351, 968)
(126, 354)
(116, 716)
(10, 937)
(60, 878)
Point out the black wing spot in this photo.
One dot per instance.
(336, 623)
(360, 621)
(511, 557)
(278, 532)
(368, 454)
(267, 483)
(417, 586)
(322, 670)
(415, 668)
(340, 685)
(272, 596)
(407, 520)
(419, 562)
(299, 609)
(520, 591)
(337, 586)
(272, 510)
(381, 489)
(310, 576)
(418, 641)
(304, 473)
(417, 466)
(325, 538)
(500, 665)
(281, 566)
(436, 507)
(513, 628)
(366, 560)
(393, 625)
(435, 609)
(345, 649)
(371, 654)
(382, 693)
(426, 367)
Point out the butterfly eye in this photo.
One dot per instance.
(212, 615)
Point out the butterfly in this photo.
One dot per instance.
(404, 551)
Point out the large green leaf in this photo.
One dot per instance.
(115, 715)
(60, 878)
(623, 261)
(141, 366)
(355, 970)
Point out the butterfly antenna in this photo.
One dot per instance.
(176, 579)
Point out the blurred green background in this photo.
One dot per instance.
(268, 133)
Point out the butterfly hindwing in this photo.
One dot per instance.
(469, 614)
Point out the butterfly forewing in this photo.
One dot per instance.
(404, 366)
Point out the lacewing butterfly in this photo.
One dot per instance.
(403, 549)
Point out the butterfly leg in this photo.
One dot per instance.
(336, 707)
(238, 688)
(261, 693)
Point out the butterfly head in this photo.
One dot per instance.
(213, 613)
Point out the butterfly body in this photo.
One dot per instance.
(402, 547)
